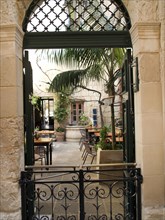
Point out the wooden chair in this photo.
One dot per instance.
(40, 154)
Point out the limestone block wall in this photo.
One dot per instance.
(11, 110)
(92, 101)
(11, 121)
(148, 45)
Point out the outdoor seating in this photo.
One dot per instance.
(83, 138)
(89, 150)
(47, 144)
(40, 154)
(86, 141)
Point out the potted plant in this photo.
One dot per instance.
(84, 120)
(60, 133)
(36, 134)
(60, 115)
(34, 99)
(106, 154)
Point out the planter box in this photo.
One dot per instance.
(60, 136)
(110, 157)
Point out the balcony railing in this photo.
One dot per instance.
(95, 192)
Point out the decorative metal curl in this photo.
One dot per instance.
(117, 193)
(119, 216)
(96, 192)
(65, 193)
(40, 218)
(93, 217)
(75, 177)
(43, 194)
(87, 176)
(72, 217)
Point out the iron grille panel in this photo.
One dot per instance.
(76, 15)
(82, 194)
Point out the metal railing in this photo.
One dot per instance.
(93, 192)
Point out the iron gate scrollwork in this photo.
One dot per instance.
(73, 194)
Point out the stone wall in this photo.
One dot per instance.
(11, 121)
(11, 110)
(148, 45)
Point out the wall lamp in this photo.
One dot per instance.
(135, 74)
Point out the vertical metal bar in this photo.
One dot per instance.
(50, 148)
(130, 112)
(23, 195)
(81, 194)
(138, 196)
(28, 111)
(27, 189)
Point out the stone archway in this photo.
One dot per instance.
(81, 24)
(144, 34)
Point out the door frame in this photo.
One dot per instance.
(87, 39)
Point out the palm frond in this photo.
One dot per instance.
(68, 79)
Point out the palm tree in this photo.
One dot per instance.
(98, 64)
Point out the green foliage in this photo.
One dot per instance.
(34, 100)
(92, 64)
(68, 80)
(61, 108)
(100, 64)
(104, 142)
(60, 129)
(84, 120)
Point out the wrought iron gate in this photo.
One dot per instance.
(128, 109)
(82, 193)
(28, 110)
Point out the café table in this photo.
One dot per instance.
(91, 130)
(97, 134)
(109, 136)
(46, 132)
(48, 143)
(118, 139)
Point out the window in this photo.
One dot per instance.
(95, 117)
(77, 108)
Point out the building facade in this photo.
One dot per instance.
(148, 40)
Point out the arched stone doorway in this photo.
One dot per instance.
(50, 24)
(148, 36)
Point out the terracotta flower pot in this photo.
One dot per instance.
(60, 136)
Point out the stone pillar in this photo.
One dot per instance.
(11, 121)
(148, 113)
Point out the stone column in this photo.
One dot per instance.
(11, 121)
(148, 113)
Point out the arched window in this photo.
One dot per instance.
(76, 15)
(80, 19)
